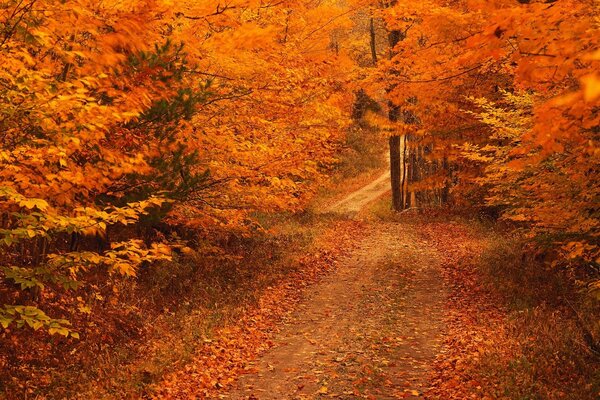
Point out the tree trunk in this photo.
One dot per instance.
(373, 47)
(397, 162)
(396, 171)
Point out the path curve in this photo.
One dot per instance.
(358, 199)
(355, 201)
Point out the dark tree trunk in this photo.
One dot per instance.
(373, 47)
(395, 171)
(404, 182)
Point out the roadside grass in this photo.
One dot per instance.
(551, 325)
(546, 344)
(380, 209)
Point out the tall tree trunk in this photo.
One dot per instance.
(396, 172)
(373, 44)
(396, 156)
(396, 161)
(405, 165)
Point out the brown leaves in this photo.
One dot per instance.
(229, 352)
(473, 317)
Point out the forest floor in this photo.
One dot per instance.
(347, 300)
(412, 311)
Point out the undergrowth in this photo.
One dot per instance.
(552, 327)
(165, 313)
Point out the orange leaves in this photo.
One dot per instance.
(110, 108)
(591, 87)
(536, 146)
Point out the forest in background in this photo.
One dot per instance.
(146, 143)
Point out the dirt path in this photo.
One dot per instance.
(369, 330)
(358, 199)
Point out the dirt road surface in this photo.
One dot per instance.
(371, 329)
(354, 202)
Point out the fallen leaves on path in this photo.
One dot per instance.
(368, 331)
(227, 354)
(475, 319)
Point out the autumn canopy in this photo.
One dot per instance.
(138, 132)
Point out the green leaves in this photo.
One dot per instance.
(21, 316)
(61, 270)
(25, 277)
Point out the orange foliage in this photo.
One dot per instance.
(188, 114)
(535, 161)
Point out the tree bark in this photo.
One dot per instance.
(395, 173)
(373, 44)
(404, 182)
(397, 162)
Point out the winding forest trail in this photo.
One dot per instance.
(355, 201)
(370, 329)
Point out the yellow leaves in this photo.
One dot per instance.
(5, 156)
(40, 204)
(29, 203)
(162, 251)
(45, 220)
(125, 257)
(122, 268)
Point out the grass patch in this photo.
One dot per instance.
(548, 328)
